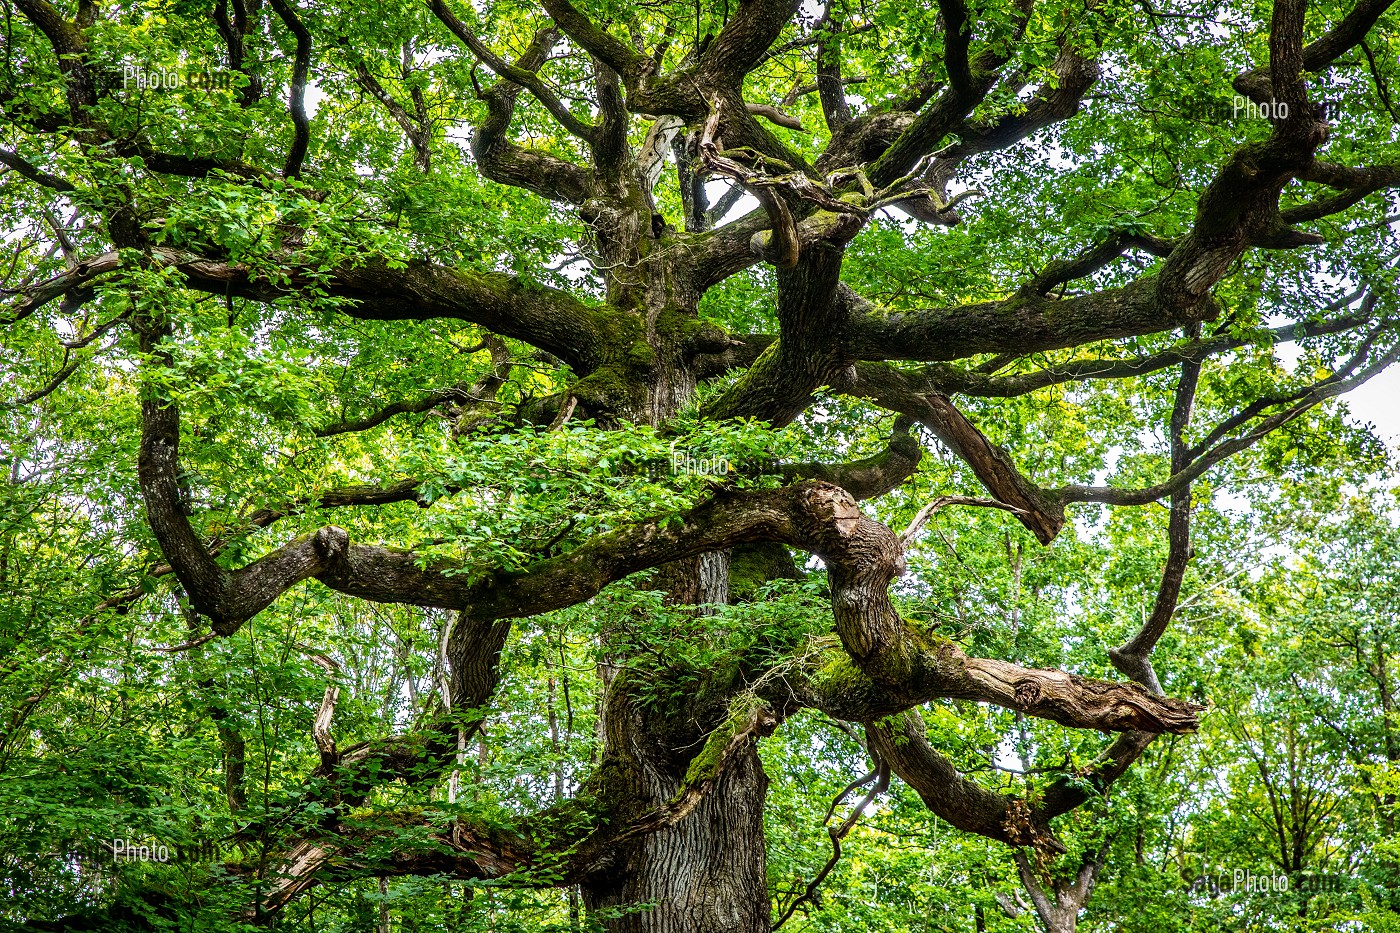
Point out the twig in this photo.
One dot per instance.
(172, 649)
(944, 501)
(881, 774)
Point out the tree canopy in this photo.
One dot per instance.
(689, 468)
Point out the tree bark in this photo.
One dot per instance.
(706, 874)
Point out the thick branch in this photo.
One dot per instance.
(1133, 658)
(872, 477)
(543, 317)
(527, 78)
(830, 87)
(957, 39)
(228, 598)
(898, 391)
(744, 41)
(503, 161)
(36, 175)
(1318, 55)
(461, 393)
(950, 380)
(1330, 387)
(959, 800)
(598, 42)
(1020, 325)
(1095, 258)
(1353, 184)
(944, 115)
(414, 131)
(70, 49)
(296, 95)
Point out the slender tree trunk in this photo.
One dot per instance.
(1058, 903)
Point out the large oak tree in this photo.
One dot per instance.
(459, 306)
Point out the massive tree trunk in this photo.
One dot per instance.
(706, 874)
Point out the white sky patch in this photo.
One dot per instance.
(714, 190)
(1375, 402)
(314, 96)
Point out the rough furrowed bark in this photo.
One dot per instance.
(704, 870)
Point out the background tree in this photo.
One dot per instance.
(371, 368)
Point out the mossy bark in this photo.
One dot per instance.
(708, 872)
